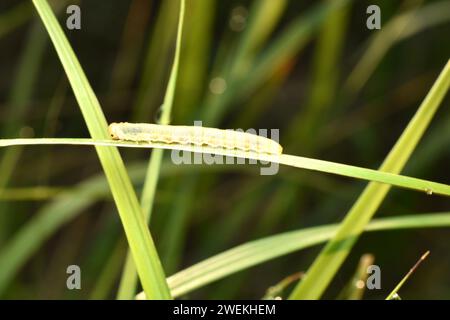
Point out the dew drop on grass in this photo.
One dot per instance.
(429, 191)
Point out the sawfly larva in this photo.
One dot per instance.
(194, 135)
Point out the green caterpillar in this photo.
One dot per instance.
(195, 135)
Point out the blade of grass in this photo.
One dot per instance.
(138, 235)
(426, 17)
(258, 251)
(68, 205)
(333, 255)
(388, 178)
(127, 288)
(275, 292)
(278, 54)
(406, 277)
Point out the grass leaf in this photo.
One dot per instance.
(333, 255)
(138, 235)
(127, 288)
(262, 250)
(388, 178)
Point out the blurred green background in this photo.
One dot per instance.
(335, 90)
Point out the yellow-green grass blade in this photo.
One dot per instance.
(139, 239)
(129, 277)
(262, 250)
(394, 292)
(333, 255)
(67, 205)
(428, 187)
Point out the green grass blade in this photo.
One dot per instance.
(138, 235)
(333, 255)
(258, 251)
(67, 205)
(127, 288)
(388, 178)
(394, 292)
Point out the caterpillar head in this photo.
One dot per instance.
(114, 131)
